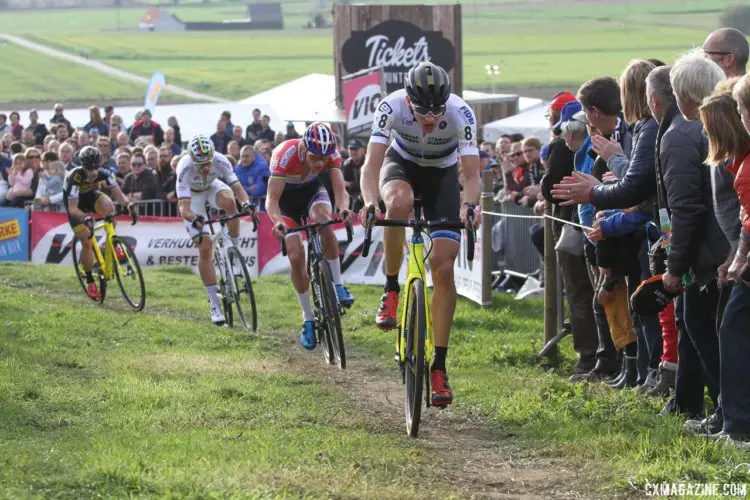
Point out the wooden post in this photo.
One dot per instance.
(550, 287)
(486, 231)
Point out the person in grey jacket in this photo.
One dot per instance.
(697, 243)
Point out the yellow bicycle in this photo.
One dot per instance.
(114, 260)
(415, 342)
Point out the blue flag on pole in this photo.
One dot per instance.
(155, 86)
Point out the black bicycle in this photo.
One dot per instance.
(234, 281)
(327, 308)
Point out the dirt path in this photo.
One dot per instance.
(104, 68)
(469, 453)
(477, 462)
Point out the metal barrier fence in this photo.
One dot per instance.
(517, 254)
(156, 207)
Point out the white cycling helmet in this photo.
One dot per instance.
(201, 149)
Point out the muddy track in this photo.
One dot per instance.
(468, 452)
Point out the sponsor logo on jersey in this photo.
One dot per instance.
(385, 108)
(407, 137)
(437, 141)
(468, 114)
(287, 156)
(185, 171)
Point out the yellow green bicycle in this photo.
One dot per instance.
(114, 260)
(414, 341)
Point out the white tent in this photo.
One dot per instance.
(529, 123)
(193, 118)
(309, 98)
(313, 97)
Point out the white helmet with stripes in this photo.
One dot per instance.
(201, 149)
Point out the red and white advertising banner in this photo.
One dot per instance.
(156, 241)
(159, 241)
(362, 94)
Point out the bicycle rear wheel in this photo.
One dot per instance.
(332, 314)
(128, 272)
(81, 273)
(414, 336)
(243, 287)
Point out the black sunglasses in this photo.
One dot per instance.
(517, 153)
(426, 110)
(138, 164)
(716, 53)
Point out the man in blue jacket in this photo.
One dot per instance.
(253, 172)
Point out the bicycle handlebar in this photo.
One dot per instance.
(109, 218)
(227, 218)
(314, 226)
(419, 224)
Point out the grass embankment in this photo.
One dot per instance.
(535, 45)
(96, 399)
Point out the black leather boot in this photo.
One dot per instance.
(619, 376)
(631, 374)
(602, 372)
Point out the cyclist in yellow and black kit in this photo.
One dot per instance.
(81, 197)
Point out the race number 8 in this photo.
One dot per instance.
(383, 120)
(467, 133)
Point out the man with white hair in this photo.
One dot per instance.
(697, 245)
(694, 77)
(728, 48)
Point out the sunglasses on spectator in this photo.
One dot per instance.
(136, 164)
(428, 110)
(716, 52)
(517, 153)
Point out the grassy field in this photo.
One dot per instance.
(31, 76)
(163, 404)
(536, 45)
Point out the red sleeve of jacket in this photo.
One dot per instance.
(742, 186)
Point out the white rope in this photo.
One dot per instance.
(537, 217)
(514, 216)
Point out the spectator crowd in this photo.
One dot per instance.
(143, 156)
(656, 167)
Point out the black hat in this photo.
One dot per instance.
(651, 297)
(355, 144)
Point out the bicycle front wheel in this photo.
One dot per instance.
(81, 273)
(244, 298)
(129, 276)
(332, 313)
(414, 336)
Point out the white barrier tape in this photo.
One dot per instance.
(537, 217)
